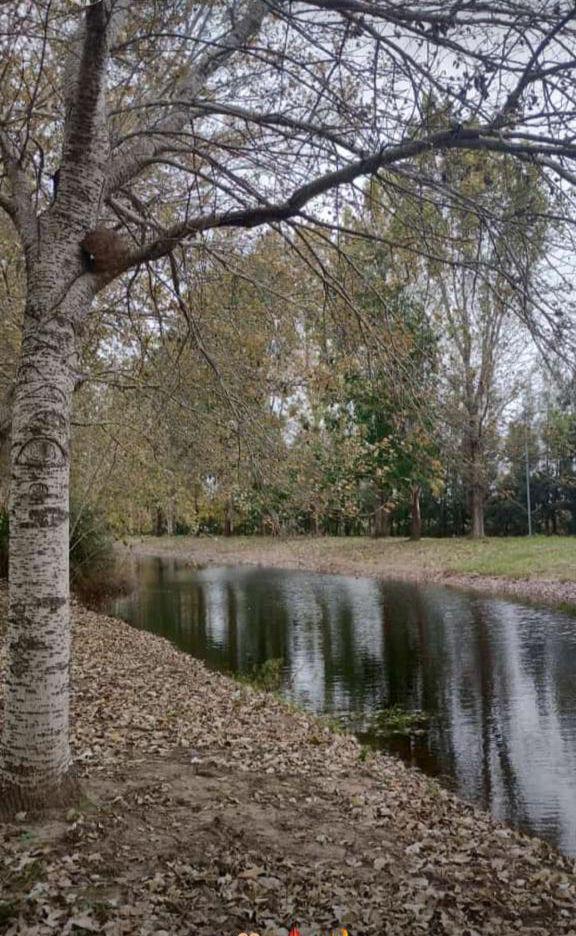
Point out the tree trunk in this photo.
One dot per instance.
(35, 751)
(381, 516)
(171, 520)
(35, 745)
(159, 522)
(475, 460)
(477, 511)
(416, 518)
(229, 518)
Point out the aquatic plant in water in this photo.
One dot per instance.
(396, 720)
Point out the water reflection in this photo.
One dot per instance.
(497, 679)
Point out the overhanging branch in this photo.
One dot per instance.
(255, 216)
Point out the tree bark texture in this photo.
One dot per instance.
(35, 750)
(477, 511)
(35, 746)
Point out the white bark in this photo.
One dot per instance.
(35, 745)
(35, 751)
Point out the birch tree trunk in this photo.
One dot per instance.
(35, 750)
(35, 745)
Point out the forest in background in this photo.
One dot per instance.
(384, 380)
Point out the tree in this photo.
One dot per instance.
(484, 338)
(130, 131)
(540, 445)
(469, 285)
(11, 304)
(398, 377)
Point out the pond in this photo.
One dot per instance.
(492, 683)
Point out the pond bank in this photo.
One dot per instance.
(541, 570)
(212, 809)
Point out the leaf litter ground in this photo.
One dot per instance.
(212, 808)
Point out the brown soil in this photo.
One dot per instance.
(308, 553)
(211, 808)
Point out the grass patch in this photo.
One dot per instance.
(515, 557)
(268, 676)
(398, 721)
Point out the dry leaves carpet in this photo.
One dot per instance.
(211, 808)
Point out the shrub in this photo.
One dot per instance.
(268, 675)
(95, 573)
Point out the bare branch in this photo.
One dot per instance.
(530, 73)
(255, 216)
(126, 163)
(18, 205)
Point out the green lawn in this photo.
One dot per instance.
(514, 557)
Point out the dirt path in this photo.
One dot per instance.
(212, 809)
(367, 559)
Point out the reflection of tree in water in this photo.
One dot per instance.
(263, 622)
(502, 704)
(349, 668)
(464, 686)
(496, 679)
(232, 644)
(403, 668)
(494, 747)
(413, 672)
(331, 667)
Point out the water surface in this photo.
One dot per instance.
(496, 679)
